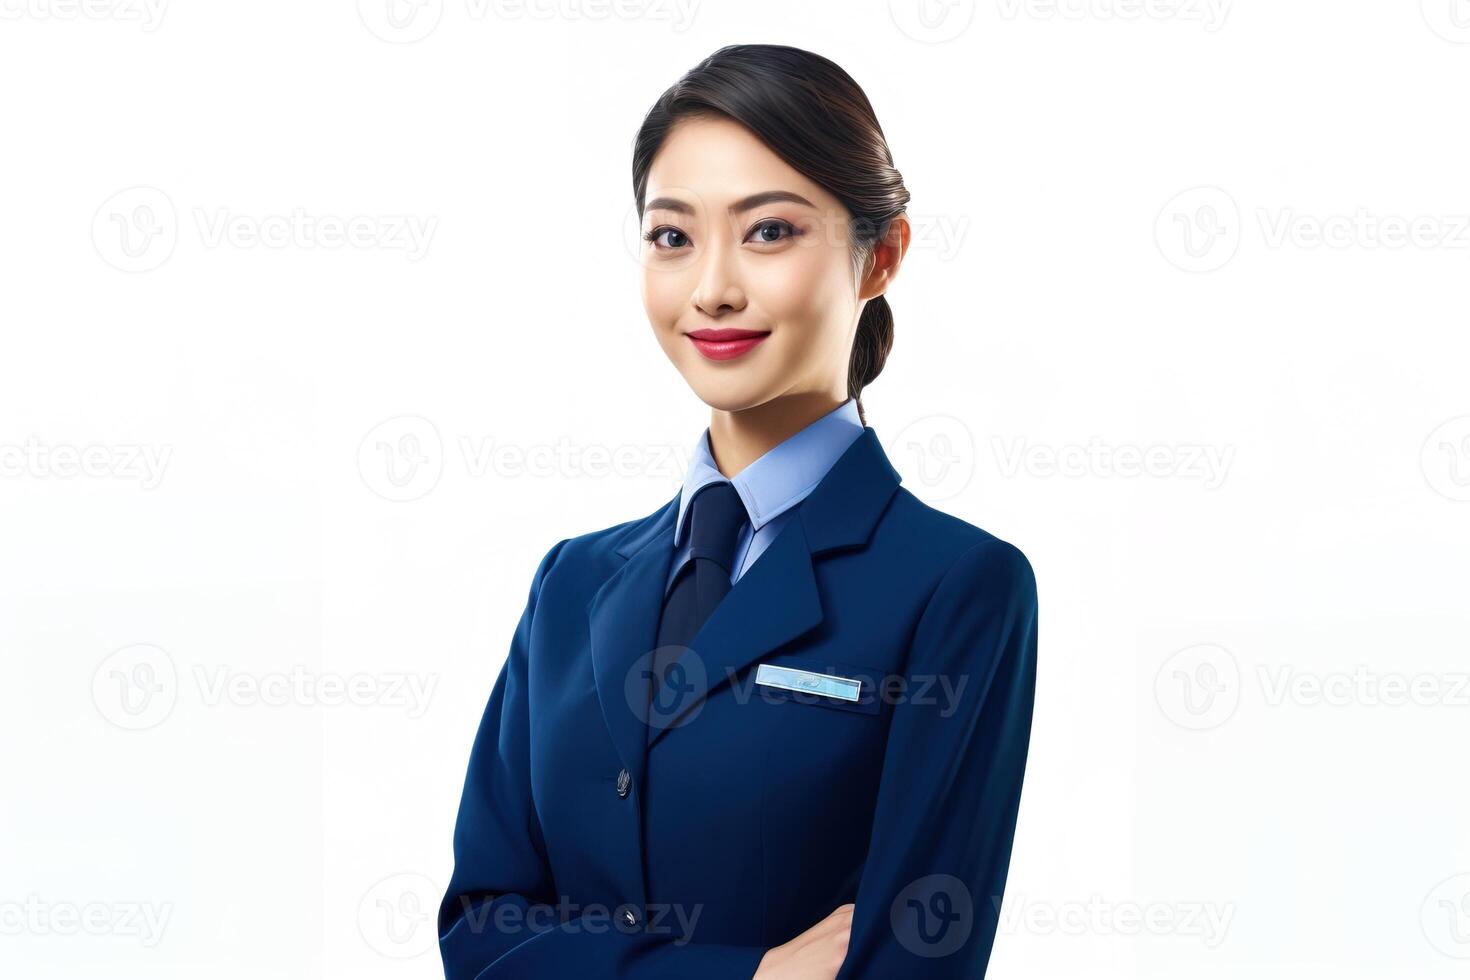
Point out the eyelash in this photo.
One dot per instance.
(791, 230)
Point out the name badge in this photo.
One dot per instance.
(809, 682)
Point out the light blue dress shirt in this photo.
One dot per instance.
(769, 487)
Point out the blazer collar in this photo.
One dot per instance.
(774, 602)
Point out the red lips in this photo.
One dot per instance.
(725, 343)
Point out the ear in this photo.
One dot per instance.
(887, 256)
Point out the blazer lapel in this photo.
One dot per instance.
(773, 603)
(623, 619)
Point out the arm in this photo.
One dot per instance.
(499, 917)
(928, 901)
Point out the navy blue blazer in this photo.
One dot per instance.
(589, 847)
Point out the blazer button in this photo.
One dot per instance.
(625, 782)
(629, 918)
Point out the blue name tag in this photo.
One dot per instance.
(809, 682)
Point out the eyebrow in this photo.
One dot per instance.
(744, 204)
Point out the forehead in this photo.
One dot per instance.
(717, 160)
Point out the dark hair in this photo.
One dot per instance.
(815, 117)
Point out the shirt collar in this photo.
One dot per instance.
(782, 477)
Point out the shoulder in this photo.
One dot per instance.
(981, 608)
(593, 553)
(970, 560)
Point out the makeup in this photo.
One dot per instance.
(725, 344)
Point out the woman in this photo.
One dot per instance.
(777, 728)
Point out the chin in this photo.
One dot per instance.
(730, 394)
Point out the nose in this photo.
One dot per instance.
(718, 290)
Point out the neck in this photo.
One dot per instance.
(737, 439)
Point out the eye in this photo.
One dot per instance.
(772, 230)
(677, 239)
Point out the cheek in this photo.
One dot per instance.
(807, 285)
(665, 294)
(811, 297)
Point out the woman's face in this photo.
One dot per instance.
(737, 244)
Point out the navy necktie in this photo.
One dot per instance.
(716, 517)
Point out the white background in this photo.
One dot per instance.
(1227, 239)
